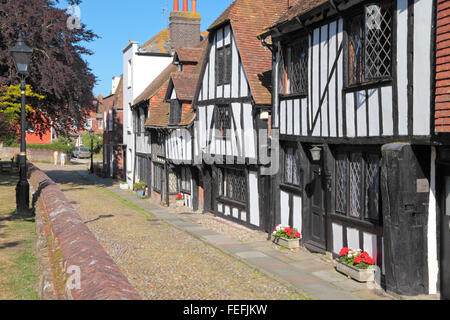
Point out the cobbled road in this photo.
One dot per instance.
(162, 262)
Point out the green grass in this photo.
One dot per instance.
(24, 277)
(19, 275)
(125, 201)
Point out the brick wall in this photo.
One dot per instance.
(32, 154)
(442, 113)
(71, 246)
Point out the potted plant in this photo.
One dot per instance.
(286, 236)
(356, 264)
(139, 188)
(179, 201)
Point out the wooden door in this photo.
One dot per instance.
(317, 220)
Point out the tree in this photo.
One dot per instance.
(58, 71)
(97, 141)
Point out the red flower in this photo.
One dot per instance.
(369, 260)
(364, 255)
(344, 251)
(358, 260)
(297, 235)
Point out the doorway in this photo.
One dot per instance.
(316, 191)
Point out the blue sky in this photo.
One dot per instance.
(117, 21)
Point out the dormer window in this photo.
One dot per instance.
(369, 44)
(175, 112)
(223, 65)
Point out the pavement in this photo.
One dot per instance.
(310, 274)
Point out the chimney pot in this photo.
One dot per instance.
(185, 5)
(176, 5)
(194, 6)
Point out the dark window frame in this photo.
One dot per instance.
(288, 65)
(224, 65)
(175, 112)
(369, 160)
(185, 180)
(222, 120)
(364, 78)
(225, 179)
(172, 172)
(296, 154)
(157, 172)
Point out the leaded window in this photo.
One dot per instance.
(222, 119)
(223, 65)
(232, 184)
(173, 182)
(157, 177)
(358, 185)
(175, 112)
(369, 43)
(185, 180)
(294, 68)
(292, 172)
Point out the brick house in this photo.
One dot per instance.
(113, 151)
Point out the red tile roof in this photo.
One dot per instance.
(186, 55)
(248, 18)
(159, 43)
(184, 82)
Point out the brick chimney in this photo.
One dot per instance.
(184, 25)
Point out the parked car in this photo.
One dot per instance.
(81, 152)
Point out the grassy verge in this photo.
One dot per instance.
(19, 276)
(125, 201)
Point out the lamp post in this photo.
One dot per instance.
(21, 54)
(91, 133)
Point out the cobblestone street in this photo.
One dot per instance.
(160, 261)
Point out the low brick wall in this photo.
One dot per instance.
(80, 267)
(38, 155)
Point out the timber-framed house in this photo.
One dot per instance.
(233, 103)
(170, 126)
(353, 103)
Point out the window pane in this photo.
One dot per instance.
(223, 119)
(282, 74)
(288, 168)
(228, 65)
(172, 182)
(341, 183)
(378, 41)
(372, 187)
(298, 69)
(355, 49)
(355, 184)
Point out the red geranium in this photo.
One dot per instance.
(358, 260)
(369, 260)
(344, 251)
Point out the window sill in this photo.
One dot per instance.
(367, 85)
(356, 221)
(231, 202)
(293, 96)
(291, 187)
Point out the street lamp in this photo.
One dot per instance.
(91, 133)
(21, 54)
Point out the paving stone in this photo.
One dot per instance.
(218, 239)
(311, 265)
(330, 275)
(327, 292)
(251, 254)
